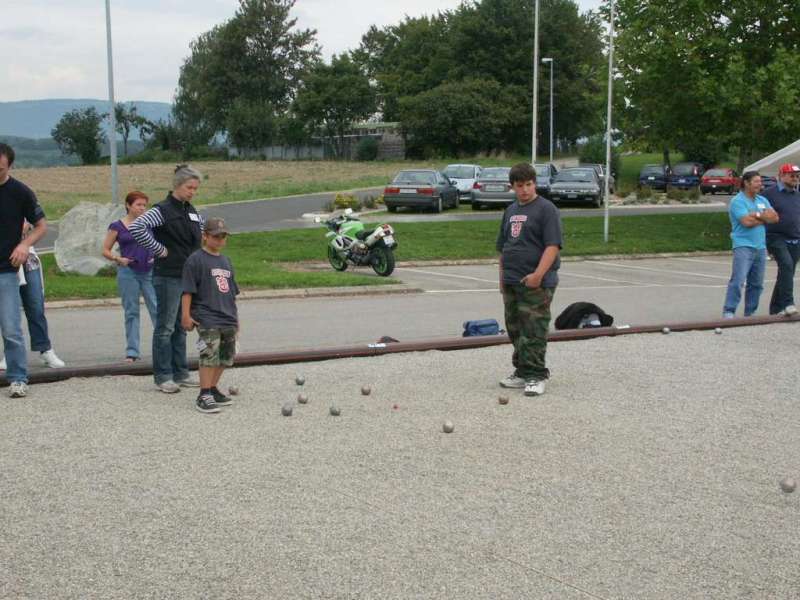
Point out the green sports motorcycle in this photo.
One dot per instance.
(350, 243)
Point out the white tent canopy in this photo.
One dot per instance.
(769, 165)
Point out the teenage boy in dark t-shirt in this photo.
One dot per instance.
(17, 204)
(529, 242)
(209, 303)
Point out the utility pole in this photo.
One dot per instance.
(608, 120)
(535, 80)
(112, 137)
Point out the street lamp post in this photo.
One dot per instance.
(112, 138)
(535, 80)
(608, 120)
(552, 63)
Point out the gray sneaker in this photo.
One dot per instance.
(512, 381)
(789, 311)
(190, 381)
(18, 389)
(534, 387)
(169, 387)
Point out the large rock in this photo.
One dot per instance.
(79, 246)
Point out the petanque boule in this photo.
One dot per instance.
(448, 427)
(788, 485)
(335, 412)
(665, 330)
(233, 390)
(286, 410)
(502, 400)
(302, 399)
(299, 380)
(718, 330)
(366, 390)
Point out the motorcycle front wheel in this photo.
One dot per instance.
(337, 262)
(382, 260)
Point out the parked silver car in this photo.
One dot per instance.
(601, 173)
(420, 188)
(577, 184)
(464, 177)
(492, 188)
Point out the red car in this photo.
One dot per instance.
(720, 180)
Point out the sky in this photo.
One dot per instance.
(57, 48)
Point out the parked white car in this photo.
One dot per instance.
(463, 177)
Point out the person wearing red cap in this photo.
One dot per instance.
(783, 237)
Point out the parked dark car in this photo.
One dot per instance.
(545, 172)
(686, 175)
(577, 184)
(492, 188)
(654, 176)
(420, 188)
(601, 174)
(720, 179)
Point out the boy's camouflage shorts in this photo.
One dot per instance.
(220, 347)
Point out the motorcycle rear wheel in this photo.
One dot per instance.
(337, 262)
(382, 260)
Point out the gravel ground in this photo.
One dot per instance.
(650, 469)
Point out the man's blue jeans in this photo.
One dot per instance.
(786, 257)
(748, 269)
(133, 285)
(169, 338)
(32, 295)
(11, 327)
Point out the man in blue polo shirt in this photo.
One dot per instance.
(748, 212)
(783, 238)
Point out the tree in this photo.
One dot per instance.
(128, 118)
(78, 132)
(709, 77)
(254, 58)
(333, 97)
(464, 117)
(251, 125)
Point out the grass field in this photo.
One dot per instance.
(261, 259)
(61, 188)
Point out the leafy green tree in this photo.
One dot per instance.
(251, 125)
(78, 132)
(255, 57)
(465, 117)
(708, 77)
(333, 97)
(127, 119)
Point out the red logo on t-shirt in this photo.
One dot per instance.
(517, 221)
(222, 284)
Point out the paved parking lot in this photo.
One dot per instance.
(645, 291)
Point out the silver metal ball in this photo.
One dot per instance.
(502, 400)
(665, 330)
(299, 380)
(448, 427)
(233, 390)
(718, 330)
(302, 399)
(788, 485)
(286, 410)
(335, 412)
(366, 390)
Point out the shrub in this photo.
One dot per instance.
(594, 151)
(346, 201)
(367, 149)
(644, 192)
(624, 190)
(694, 195)
(676, 194)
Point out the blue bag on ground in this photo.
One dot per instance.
(481, 327)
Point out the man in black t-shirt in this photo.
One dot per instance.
(18, 204)
(209, 303)
(529, 242)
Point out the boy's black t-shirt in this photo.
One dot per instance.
(18, 203)
(210, 280)
(526, 230)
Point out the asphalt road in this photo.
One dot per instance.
(287, 213)
(635, 292)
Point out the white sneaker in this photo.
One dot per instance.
(789, 311)
(18, 389)
(512, 381)
(169, 387)
(3, 365)
(50, 359)
(534, 387)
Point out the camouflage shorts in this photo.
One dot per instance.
(217, 346)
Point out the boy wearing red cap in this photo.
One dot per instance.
(783, 237)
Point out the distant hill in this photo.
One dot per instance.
(36, 118)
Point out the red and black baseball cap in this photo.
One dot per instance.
(788, 169)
